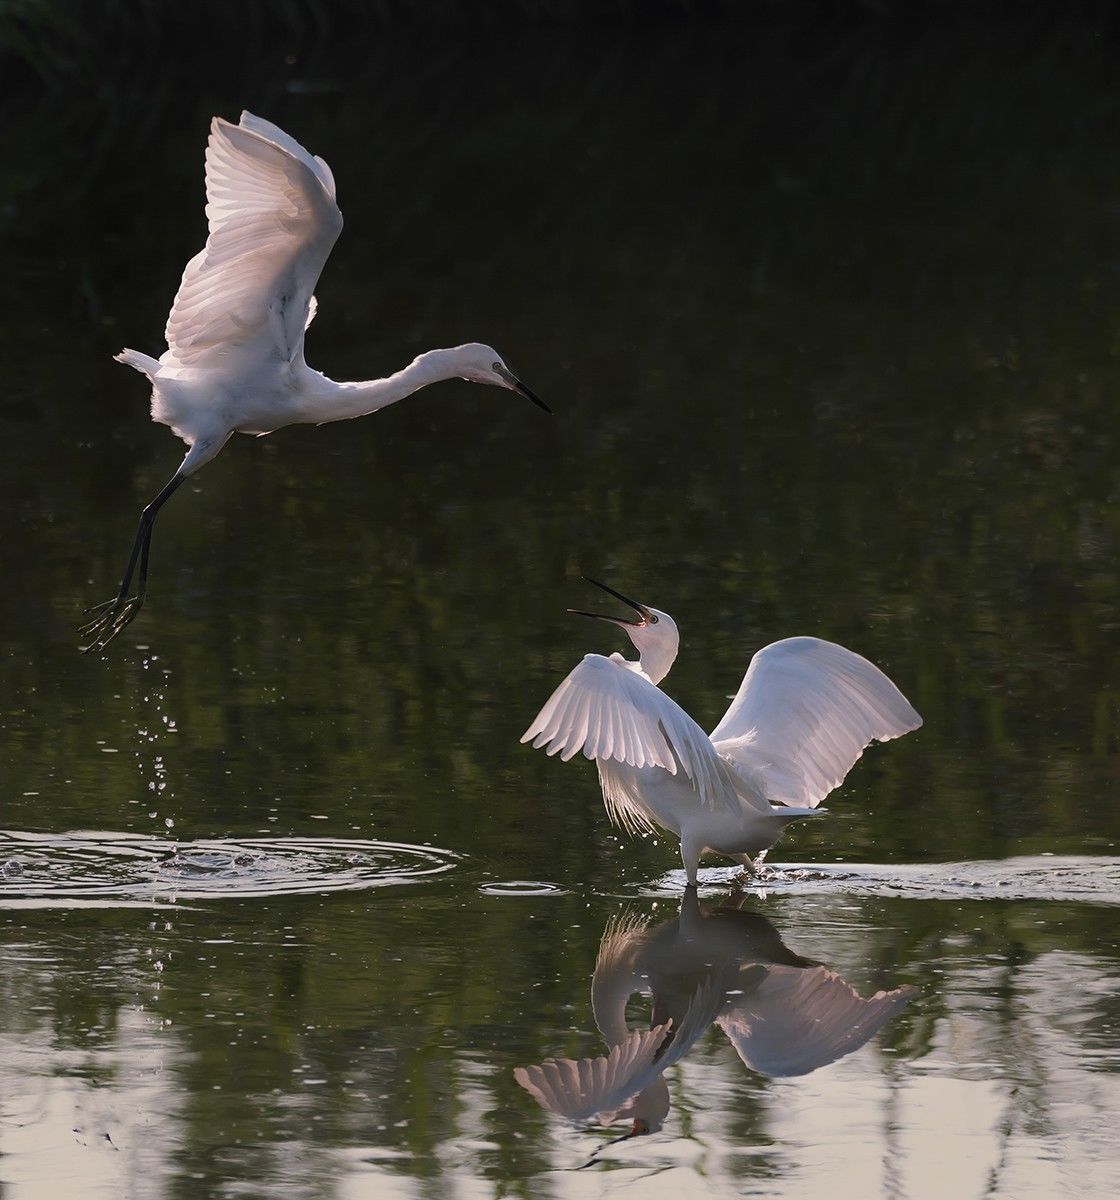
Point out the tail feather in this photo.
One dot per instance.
(786, 812)
(143, 363)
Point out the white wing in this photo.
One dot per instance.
(804, 713)
(613, 713)
(799, 1019)
(273, 220)
(580, 1089)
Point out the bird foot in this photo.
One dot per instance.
(109, 618)
(752, 870)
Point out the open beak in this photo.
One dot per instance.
(644, 615)
(513, 382)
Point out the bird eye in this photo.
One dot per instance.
(652, 619)
(496, 366)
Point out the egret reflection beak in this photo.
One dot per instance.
(644, 615)
(511, 381)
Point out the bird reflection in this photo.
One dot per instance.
(784, 1014)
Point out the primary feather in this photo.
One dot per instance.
(273, 221)
(612, 712)
(804, 713)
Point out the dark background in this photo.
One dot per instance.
(826, 300)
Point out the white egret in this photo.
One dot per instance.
(784, 1014)
(804, 713)
(234, 360)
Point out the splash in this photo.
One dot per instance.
(1068, 879)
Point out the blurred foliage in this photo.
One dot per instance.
(828, 310)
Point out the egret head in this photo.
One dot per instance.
(654, 633)
(483, 364)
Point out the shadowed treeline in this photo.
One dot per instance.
(831, 340)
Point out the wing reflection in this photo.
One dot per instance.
(784, 1014)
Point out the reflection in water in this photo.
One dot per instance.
(784, 1014)
(861, 378)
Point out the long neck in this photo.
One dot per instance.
(656, 659)
(331, 401)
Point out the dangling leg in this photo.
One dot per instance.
(111, 616)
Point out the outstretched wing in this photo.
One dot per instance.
(273, 220)
(580, 1089)
(803, 715)
(797, 1020)
(613, 713)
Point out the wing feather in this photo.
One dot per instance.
(804, 714)
(273, 221)
(615, 714)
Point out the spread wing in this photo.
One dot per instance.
(614, 714)
(797, 1020)
(273, 220)
(580, 1089)
(803, 715)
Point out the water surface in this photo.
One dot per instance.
(829, 326)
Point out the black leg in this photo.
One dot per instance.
(111, 616)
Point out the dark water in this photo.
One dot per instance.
(829, 325)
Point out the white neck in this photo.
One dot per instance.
(655, 660)
(331, 401)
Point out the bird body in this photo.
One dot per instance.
(235, 335)
(739, 826)
(803, 715)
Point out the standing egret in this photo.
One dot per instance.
(804, 713)
(234, 362)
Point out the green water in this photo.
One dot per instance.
(829, 327)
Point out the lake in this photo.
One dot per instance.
(827, 315)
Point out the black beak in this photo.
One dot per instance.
(529, 394)
(518, 386)
(645, 616)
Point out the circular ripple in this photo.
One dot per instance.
(134, 867)
(521, 887)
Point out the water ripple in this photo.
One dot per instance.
(521, 887)
(1076, 879)
(120, 867)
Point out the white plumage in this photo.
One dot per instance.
(804, 714)
(608, 709)
(234, 361)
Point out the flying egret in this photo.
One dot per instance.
(785, 1015)
(234, 362)
(804, 713)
